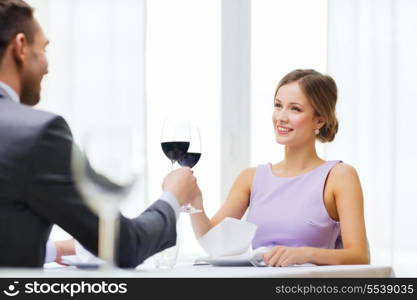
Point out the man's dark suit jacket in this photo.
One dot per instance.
(37, 190)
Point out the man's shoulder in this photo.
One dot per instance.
(23, 125)
(19, 116)
(37, 116)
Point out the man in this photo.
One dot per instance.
(36, 185)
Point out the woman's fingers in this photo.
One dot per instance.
(274, 258)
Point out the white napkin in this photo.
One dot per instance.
(229, 237)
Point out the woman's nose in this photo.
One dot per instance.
(281, 116)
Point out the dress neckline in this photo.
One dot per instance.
(296, 176)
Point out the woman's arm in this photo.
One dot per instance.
(348, 197)
(235, 205)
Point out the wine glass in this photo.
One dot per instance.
(175, 141)
(106, 169)
(191, 158)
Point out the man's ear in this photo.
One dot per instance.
(20, 48)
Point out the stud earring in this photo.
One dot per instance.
(317, 131)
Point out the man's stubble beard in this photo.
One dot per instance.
(30, 90)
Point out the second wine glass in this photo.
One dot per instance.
(191, 158)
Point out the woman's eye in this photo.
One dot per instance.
(296, 109)
(277, 105)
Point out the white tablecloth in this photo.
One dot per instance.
(187, 270)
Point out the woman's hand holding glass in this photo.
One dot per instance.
(197, 200)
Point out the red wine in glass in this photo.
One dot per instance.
(175, 139)
(175, 151)
(190, 159)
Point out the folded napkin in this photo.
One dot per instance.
(229, 237)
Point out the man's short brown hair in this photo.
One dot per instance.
(16, 16)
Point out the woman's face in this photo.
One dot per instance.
(293, 118)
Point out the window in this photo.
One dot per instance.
(286, 35)
(183, 78)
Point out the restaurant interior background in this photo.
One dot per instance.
(127, 64)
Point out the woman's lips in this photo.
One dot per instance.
(282, 130)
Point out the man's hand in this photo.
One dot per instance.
(63, 248)
(182, 184)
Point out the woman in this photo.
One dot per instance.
(309, 209)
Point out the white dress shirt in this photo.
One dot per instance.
(10, 92)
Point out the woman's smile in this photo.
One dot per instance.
(283, 130)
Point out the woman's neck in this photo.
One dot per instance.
(299, 160)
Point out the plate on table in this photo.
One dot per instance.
(74, 260)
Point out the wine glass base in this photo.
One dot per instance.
(190, 209)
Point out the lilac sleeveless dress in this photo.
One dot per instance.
(290, 211)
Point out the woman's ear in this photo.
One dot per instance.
(320, 121)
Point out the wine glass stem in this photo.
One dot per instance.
(108, 227)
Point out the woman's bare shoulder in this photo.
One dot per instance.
(343, 176)
(246, 176)
(249, 171)
(343, 170)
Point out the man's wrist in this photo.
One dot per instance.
(172, 201)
